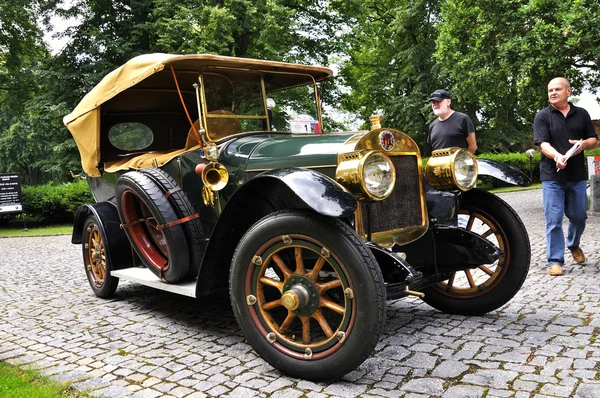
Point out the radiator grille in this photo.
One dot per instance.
(403, 207)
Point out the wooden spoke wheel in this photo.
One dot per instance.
(303, 296)
(95, 259)
(307, 294)
(474, 291)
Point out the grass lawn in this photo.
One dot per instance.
(21, 382)
(16, 230)
(510, 188)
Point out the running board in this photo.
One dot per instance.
(145, 277)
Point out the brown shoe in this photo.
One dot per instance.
(555, 270)
(578, 255)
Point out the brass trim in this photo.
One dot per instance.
(404, 146)
(290, 300)
(220, 116)
(215, 176)
(440, 170)
(375, 122)
(350, 171)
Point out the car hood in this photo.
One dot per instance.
(261, 152)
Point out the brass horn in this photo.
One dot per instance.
(215, 176)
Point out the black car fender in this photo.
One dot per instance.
(117, 247)
(309, 189)
(268, 192)
(502, 172)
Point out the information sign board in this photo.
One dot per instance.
(10, 193)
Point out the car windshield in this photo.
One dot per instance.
(234, 102)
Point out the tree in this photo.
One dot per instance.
(24, 133)
(500, 56)
(390, 65)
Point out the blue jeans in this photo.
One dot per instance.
(563, 198)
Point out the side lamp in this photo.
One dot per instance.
(530, 154)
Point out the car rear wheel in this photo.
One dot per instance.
(488, 287)
(307, 294)
(95, 259)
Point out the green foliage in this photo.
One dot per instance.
(390, 46)
(105, 34)
(54, 203)
(26, 131)
(495, 56)
(498, 57)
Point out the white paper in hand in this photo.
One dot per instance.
(571, 151)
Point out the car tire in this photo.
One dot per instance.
(183, 208)
(96, 260)
(338, 286)
(143, 208)
(490, 286)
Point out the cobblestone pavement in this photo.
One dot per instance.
(148, 343)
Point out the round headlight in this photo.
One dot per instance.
(378, 176)
(465, 169)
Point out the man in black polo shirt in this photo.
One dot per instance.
(451, 128)
(556, 129)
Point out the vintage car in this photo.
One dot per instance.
(215, 173)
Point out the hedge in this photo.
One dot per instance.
(520, 161)
(52, 203)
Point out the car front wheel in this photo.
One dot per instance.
(475, 291)
(307, 294)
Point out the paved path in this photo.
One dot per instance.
(147, 343)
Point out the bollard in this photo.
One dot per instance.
(595, 194)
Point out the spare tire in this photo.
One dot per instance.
(144, 210)
(184, 209)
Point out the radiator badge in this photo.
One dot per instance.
(387, 140)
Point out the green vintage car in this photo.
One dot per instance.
(215, 173)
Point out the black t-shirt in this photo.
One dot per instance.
(450, 132)
(552, 127)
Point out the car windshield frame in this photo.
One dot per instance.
(265, 83)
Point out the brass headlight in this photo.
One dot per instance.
(367, 174)
(452, 168)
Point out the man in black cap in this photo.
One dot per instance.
(451, 128)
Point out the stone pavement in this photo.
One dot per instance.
(148, 343)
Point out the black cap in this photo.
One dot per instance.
(439, 95)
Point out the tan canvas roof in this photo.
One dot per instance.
(143, 66)
(84, 121)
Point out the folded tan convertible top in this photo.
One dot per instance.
(84, 121)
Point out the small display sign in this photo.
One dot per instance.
(10, 194)
(593, 163)
(305, 124)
